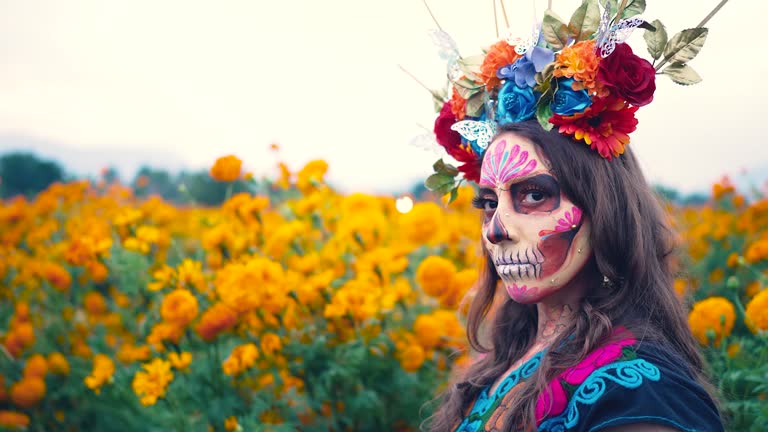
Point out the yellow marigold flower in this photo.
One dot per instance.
(103, 369)
(179, 307)
(58, 363)
(412, 358)
(151, 384)
(163, 278)
(243, 357)
(712, 316)
(423, 223)
(752, 289)
(217, 319)
(94, 303)
(13, 419)
(757, 251)
(580, 62)
(231, 424)
(35, 366)
(97, 271)
(190, 273)
(435, 275)
(164, 331)
(270, 343)
(681, 287)
(180, 361)
(226, 169)
(733, 259)
(235, 285)
(28, 392)
(757, 312)
(129, 353)
(311, 175)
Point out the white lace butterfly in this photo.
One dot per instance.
(480, 132)
(609, 35)
(448, 51)
(521, 45)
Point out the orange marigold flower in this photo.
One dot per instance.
(103, 369)
(757, 312)
(180, 361)
(150, 384)
(164, 331)
(217, 319)
(458, 105)
(95, 303)
(57, 276)
(35, 366)
(435, 275)
(499, 55)
(712, 319)
(412, 358)
(243, 357)
(757, 251)
(733, 259)
(231, 424)
(13, 419)
(580, 62)
(28, 392)
(270, 343)
(311, 175)
(58, 363)
(179, 307)
(226, 169)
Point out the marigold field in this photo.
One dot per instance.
(293, 306)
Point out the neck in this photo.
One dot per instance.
(554, 319)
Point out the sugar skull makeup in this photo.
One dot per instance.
(536, 237)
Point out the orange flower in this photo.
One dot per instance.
(580, 62)
(458, 105)
(243, 357)
(270, 343)
(180, 361)
(179, 307)
(436, 275)
(58, 364)
(28, 392)
(217, 319)
(226, 169)
(13, 419)
(499, 55)
(36, 366)
(230, 424)
(412, 358)
(95, 303)
(57, 276)
(103, 369)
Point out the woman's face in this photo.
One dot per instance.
(535, 236)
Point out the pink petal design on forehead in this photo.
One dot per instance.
(503, 165)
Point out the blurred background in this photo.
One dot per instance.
(171, 85)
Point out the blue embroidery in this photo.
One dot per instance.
(484, 401)
(628, 374)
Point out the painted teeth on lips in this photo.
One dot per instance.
(512, 261)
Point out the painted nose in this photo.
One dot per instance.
(497, 232)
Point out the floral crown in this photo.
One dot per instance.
(579, 77)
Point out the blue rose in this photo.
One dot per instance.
(515, 104)
(568, 101)
(523, 71)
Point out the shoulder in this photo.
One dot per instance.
(627, 383)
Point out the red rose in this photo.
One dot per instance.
(450, 140)
(628, 76)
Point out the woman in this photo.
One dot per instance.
(590, 335)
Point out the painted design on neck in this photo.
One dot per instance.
(503, 165)
(570, 221)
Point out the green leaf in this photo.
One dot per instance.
(543, 114)
(554, 30)
(475, 105)
(441, 167)
(440, 182)
(471, 66)
(656, 40)
(585, 21)
(454, 195)
(682, 74)
(633, 7)
(684, 46)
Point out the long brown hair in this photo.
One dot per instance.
(633, 246)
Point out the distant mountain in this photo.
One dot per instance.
(90, 162)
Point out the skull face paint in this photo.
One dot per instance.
(536, 237)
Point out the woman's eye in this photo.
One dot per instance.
(534, 197)
(490, 205)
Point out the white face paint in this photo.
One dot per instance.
(535, 236)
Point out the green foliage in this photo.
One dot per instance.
(23, 173)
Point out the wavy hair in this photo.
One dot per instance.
(633, 245)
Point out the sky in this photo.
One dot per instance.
(176, 84)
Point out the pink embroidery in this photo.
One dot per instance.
(553, 400)
(570, 220)
(502, 165)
